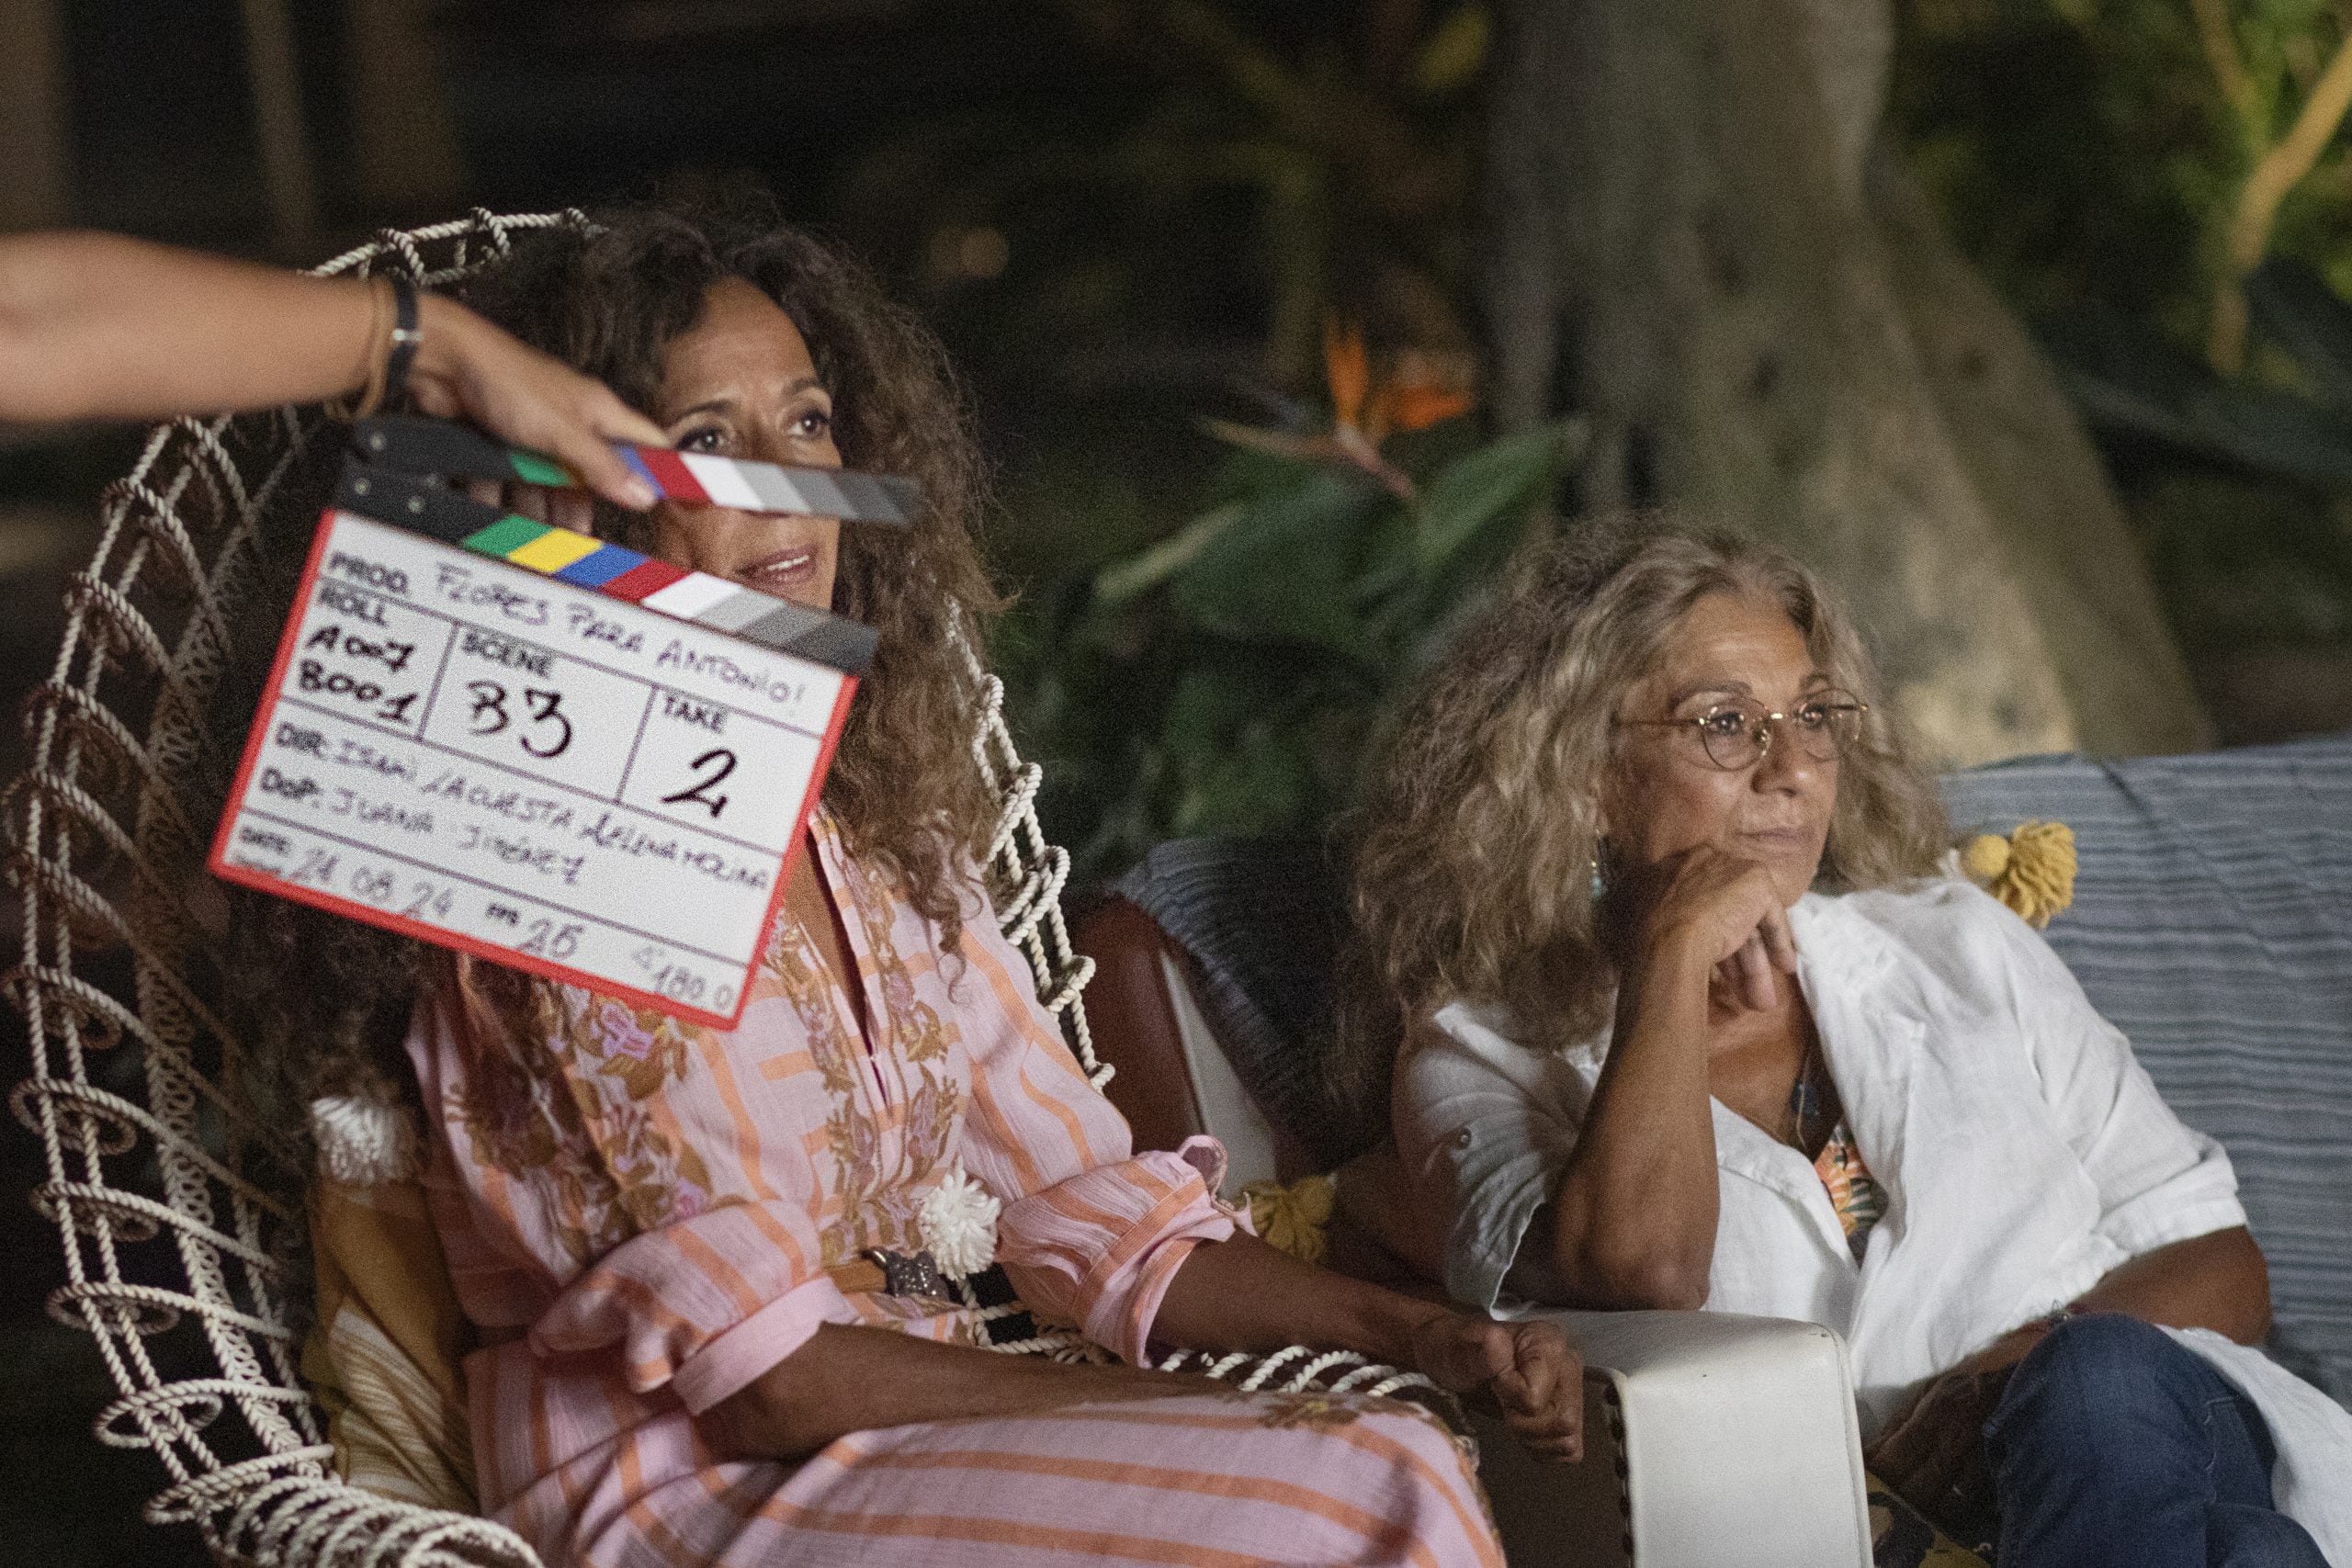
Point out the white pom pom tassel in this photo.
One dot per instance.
(959, 1219)
(362, 1142)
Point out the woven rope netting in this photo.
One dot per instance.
(169, 1254)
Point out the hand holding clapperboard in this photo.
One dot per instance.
(542, 748)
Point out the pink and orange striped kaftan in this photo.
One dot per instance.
(641, 1215)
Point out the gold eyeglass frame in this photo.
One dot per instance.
(1762, 731)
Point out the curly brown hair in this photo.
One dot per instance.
(323, 1002)
(1471, 876)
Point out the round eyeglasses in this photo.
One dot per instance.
(1737, 733)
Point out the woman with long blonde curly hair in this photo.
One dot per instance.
(1669, 1008)
(705, 1270)
(1483, 836)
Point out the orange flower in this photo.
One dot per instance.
(1411, 407)
(1414, 394)
(1411, 395)
(1347, 368)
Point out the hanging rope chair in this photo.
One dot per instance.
(121, 944)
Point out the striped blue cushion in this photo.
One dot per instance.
(2213, 923)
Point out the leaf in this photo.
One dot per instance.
(1280, 572)
(2301, 314)
(1390, 557)
(1139, 574)
(1246, 741)
(1497, 482)
(1265, 785)
(2126, 384)
(1243, 761)
(1206, 710)
(1455, 52)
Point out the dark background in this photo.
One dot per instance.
(1106, 223)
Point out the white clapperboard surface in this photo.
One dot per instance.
(538, 748)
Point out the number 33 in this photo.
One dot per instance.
(490, 714)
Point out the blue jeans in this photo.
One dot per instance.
(2113, 1444)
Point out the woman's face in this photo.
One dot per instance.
(1664, 794)
(740, 384)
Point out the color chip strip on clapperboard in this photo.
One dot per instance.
(621, 573)
(586, 561)
(434, 446)
(538, 748)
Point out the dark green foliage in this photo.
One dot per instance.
(1230, 678)
(2089, 154)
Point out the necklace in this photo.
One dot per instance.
(1807, 1103)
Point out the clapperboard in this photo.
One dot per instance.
(538, 748)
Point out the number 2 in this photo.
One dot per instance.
(695, 791)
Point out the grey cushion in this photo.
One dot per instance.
(2213, 922)
(1262, 918)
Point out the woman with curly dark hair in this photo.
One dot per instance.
(698, 1259)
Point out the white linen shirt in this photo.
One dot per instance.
(2023, 1151)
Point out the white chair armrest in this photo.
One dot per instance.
(1710, 1442)
(1228, 1114)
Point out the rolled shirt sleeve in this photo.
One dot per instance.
(1483, 1127)
(704, 1305)
(1100, 1248)
(1091, 1233)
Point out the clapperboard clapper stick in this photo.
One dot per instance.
(437, 448)
(531, 745)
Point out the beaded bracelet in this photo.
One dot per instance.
(372, 393)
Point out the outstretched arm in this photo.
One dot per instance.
(96, 326)
(1135, 1249)
(849, 1379)
(1241, 1294)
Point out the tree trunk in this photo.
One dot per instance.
(1695, 241)
(406, 159)
(37, 190)
(276, 81)
(2069, 542)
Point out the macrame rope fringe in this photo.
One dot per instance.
(106, 835)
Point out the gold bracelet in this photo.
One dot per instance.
(379, 342)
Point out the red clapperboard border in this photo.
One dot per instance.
(221, 867)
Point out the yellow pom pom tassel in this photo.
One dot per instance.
(2031, 870)
(1291, 1219)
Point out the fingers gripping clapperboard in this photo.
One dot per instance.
(538, 748)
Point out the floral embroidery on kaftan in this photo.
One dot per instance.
(659, 1207)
